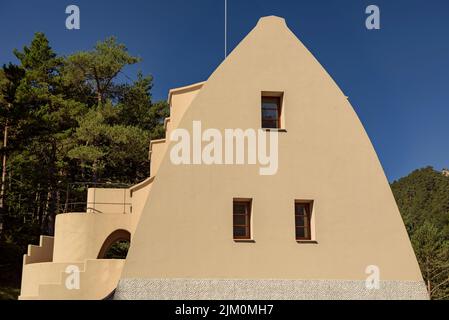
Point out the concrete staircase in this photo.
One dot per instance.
(57, 281)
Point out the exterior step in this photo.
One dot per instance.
(97, 279)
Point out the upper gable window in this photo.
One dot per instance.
(271, 111)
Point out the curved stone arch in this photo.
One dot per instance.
(115, 236)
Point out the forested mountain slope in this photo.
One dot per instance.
(423, 199)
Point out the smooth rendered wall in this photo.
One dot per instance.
(186, 226)
(80, 236)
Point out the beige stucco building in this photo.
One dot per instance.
(318, 228)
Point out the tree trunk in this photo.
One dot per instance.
(42, 206)
(45, 212)
(67, 195)
(36, 206)
(94, 169)
(429, 286)
(52, 193)
(99, 98)
(2, 191)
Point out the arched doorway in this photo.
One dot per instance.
(116, 245)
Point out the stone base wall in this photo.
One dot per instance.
(227, 289)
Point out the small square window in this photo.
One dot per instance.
(271, 110)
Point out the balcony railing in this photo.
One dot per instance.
(97, 198)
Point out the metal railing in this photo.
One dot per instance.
(78, 192)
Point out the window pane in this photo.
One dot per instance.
(270, 114)
(300, 233)
(240, 232)
(240, 207)
(270, 124)
(240, 220)
(300, 208)
(299, 221)
(270, 102)
(306, 233)
(302, 221)
(303, 233)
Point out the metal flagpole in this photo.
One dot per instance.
(226, 29)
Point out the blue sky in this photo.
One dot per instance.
(397, 78)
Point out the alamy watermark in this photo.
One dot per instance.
(226, 147)
(373, 20)
(372, 282)
(72, 282)
(73, 20)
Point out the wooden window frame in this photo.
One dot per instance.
(308, 225)
(279, 100)
(247, 215)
